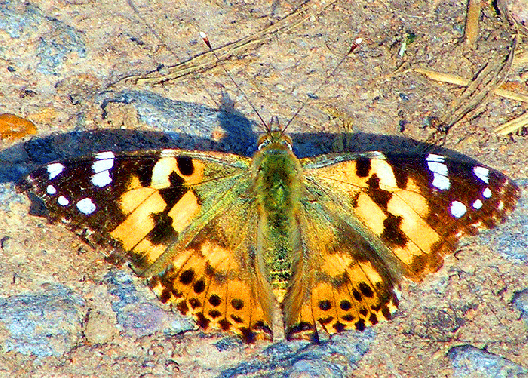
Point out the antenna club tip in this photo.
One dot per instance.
(206, 40)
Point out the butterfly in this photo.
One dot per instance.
(275, 245)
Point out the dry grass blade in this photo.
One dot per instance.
(208, 59)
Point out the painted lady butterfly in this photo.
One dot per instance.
(226, 238)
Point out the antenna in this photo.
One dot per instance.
(206, 41)
(354, 46)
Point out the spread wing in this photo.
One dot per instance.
(173, 212)
(367, 220)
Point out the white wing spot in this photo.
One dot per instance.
(63, 201)
(477, 204)
(51, 190)
(487, 193)
(104, 161)
(482, 173)
(55, 169)
(86, 206)
(458, 209)
(436, 165)
(101, 179)
(167, 153)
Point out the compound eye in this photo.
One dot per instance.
(287, 144)
(264, 143)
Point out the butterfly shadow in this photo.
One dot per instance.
(206, 129)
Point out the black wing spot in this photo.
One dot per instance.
(202, 321)
(195, 303)
(187, 277)
(373, 319)
(357, 295)
(345, 305)
(237, 304)
(392, 232)
(182, 307)
(162, 232)
(224, 324)
(199, 286)
(363, 167)
(325, 305)
(175, 191)
(185, 165)
(214, 314)
(215, 300)
(339, 327)
(366, 290)
(360, 325)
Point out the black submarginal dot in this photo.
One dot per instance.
(363, 166)
(386, 313)
(325, 305)
(214, 314)
(153, 282)
(185, 165)
(225, 325)
(345, 305)
(165, 295)
(363, 311)
(237, 319)
(360, 325)
(187, 277)
(199, 286)
(162, 232)
(248, 336)
(348, 318)
(366, 290)
(392, 232)
(195, 303)
(215, 300)
(202, 321)
(237, 304)
(183, 307)
(327, 320)
(357, 295)
(373, 319)
(339, 327)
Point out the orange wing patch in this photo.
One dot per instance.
(207, 281)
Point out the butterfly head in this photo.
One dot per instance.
(274, 138)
